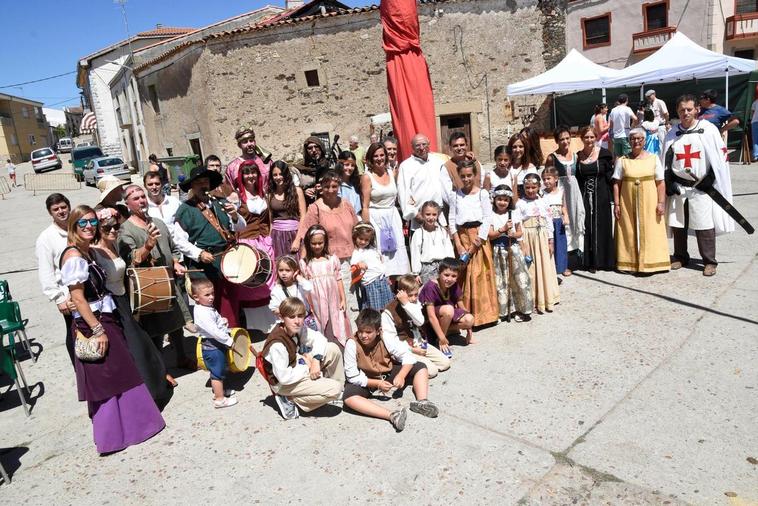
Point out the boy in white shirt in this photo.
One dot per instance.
(215, 340)
(303, 369)
(403, 320)
(373, 363)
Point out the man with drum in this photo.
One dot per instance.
(210, 227)
(145, 242)
(245, 138)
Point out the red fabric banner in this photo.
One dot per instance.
(408, 83)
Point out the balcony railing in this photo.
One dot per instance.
(742, 26)
(651, 40)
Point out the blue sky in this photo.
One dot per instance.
(42, 38)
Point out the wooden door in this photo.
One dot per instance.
(455, 123)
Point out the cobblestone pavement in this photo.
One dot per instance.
(636, 390)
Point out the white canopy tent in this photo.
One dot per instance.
(680, 59)
(574, 73)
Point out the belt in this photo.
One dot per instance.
(470, 224)
(638, 180)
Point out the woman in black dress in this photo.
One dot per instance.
(593, 173)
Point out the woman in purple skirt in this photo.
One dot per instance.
(121, 409)
(286, 203)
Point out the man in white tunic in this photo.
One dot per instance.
(418, 182)
(697, 154)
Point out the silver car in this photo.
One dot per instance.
(45, 158)
(106, 165)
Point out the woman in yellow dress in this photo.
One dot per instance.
(639, 197)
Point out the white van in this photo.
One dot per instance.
(65, 145)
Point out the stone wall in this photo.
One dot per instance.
(259, 77)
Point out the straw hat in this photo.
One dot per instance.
(107, 185)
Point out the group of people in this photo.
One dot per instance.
(354, 308)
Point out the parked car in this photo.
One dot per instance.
(107, 165)
(84, 143)
(45, 158)
(80, 156)
(65, 145)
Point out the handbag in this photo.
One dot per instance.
(387, 238)
(86, 348)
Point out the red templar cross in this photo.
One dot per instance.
(687, 156)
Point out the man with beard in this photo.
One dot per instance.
(315, 163)
(144, 241)
(210, 227)
(245, 138)
(163, 207)
(50, 244)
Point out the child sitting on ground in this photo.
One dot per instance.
(403, 320)
(215, 340)
(430, 243)
(445, 311)
(303, 369)
(371, 363)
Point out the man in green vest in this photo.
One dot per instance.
(209, 225)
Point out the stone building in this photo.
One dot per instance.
(324, 73)
(95, 72)
(618, 33)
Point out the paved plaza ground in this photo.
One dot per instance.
(636, 390)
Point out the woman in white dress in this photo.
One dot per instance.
(379, 195)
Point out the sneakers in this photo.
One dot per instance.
(397, 419)
(425, 408)
(709, 270)
(287, 408)
(225, 402)
(228, 392)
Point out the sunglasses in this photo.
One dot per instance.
(114, 226)
(83, 222)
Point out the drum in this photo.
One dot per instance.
(244, 265)
(238, 356)
(151, 290)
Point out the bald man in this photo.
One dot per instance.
(418, 181)
(359, 152)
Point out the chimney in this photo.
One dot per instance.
(293, 4)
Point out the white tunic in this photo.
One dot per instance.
(694, 154)
(418, 182)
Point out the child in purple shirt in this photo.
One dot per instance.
(445, 312)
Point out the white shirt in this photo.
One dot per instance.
(400, 353)
(621, 116)
(618, 169)
(211, 325)
(11, 169)
(299, 290)
(419, 181)
(49, 247)
(389, 331)
(499, 220)
(447, 182)
(659, 110)
(76, 271)
(428, 247)
(166, 211)
(496, 180)
(374, 266)
(536, 208)
(309, 341)
(472, 207)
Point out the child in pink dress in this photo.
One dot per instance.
(323, 270)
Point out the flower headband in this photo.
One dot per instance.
(502, 193)
(316, 231)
